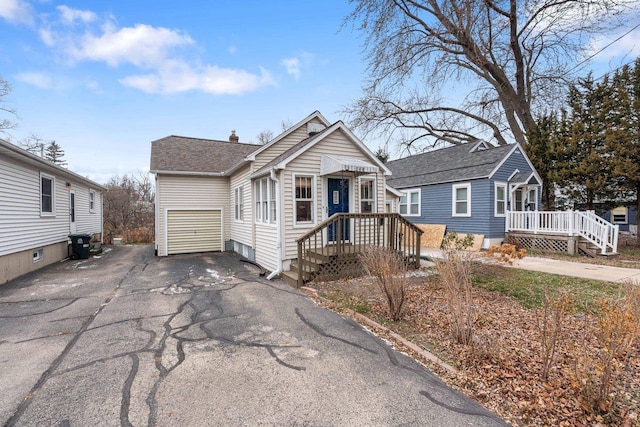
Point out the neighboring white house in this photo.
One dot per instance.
(40, 205)
(257, 200)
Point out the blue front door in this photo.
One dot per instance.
(338, 197)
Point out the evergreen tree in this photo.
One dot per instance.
(584, 164)
(54, 153)
(623, 136)
(544, 139)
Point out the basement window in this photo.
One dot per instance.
(38, 255)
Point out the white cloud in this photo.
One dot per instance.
(628, 46)
(39, 80)
(293, 66)
(16, 11)
(179, 77)
(155, 51)
(70, 15)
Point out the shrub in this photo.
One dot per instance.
(506, 253)
(389, 269)
(455, 275)
(554, 310)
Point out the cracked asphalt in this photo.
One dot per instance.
(129, 339)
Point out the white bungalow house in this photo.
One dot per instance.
(41, 204)
(260, 200)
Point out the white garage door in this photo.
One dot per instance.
(193, 231)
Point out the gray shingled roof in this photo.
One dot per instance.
(445, 165)
(183, 154)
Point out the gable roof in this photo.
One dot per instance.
(196, 156)
(283, 159)
(457, 163)
(14, 152)
(315, 115)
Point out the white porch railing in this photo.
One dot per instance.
(587, 224)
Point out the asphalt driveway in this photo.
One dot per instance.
(194, 340)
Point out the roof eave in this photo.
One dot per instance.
(190, 173)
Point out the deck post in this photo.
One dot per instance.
(571, 222)
(300, 266)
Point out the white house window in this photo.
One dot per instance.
(272, 201)
(265, 197)
(410, 202)
(47, 195)
(533, 199)
(501, 199)
(238, 214)
(92, 201)
(461, 200)
(303, 199)
(367, 195)
(38, 255)
(619, 215)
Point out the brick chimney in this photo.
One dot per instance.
(233, 137)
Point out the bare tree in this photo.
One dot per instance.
(5, 123)
(128, 208)
(265, 136)
(507, 58)
(34, 144)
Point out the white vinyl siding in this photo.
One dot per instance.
(194, 193)
(500, 197)
(461, 200)
(242, 232)
(410, 202)
(190, 231)
(22, 226)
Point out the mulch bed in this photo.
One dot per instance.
(503, 370)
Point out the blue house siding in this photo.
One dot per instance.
(436, 208)
(515, 161)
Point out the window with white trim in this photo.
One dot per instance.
(619, 215)
(532, 199)
(238, 204)
(461, 196)
(500, 199)
(47, 195)
(265, 197)
(303, 206)
(410, 202)
(367, 195)
(38, 255)
(92, 201)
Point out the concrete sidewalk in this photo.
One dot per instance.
(565, 268)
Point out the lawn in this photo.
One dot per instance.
(503, 368)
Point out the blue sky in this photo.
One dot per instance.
(104, 79)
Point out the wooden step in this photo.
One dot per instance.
(290, 278)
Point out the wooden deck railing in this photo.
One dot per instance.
(348, 234)
(587, 224)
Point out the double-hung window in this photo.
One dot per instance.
(461, 200)
(92, 201)
(303, 199)
(410, 202)
(500, 199)
(367, 195)
(265, 199)
(238, 212)
(47, 195)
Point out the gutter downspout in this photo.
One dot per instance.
(277, 272)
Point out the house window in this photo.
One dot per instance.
(92, 201)
(461, 200)
(501, 199)
(47, 195)
(265, 197)
(367, 195)
(238, 214)
(532, 199)
(38, 255)
(619, 215)
(272, 201)
(410, 202)
(303, 199)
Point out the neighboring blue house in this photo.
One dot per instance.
(624, 215)
(468, 187)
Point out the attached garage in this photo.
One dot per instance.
(191, 231)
